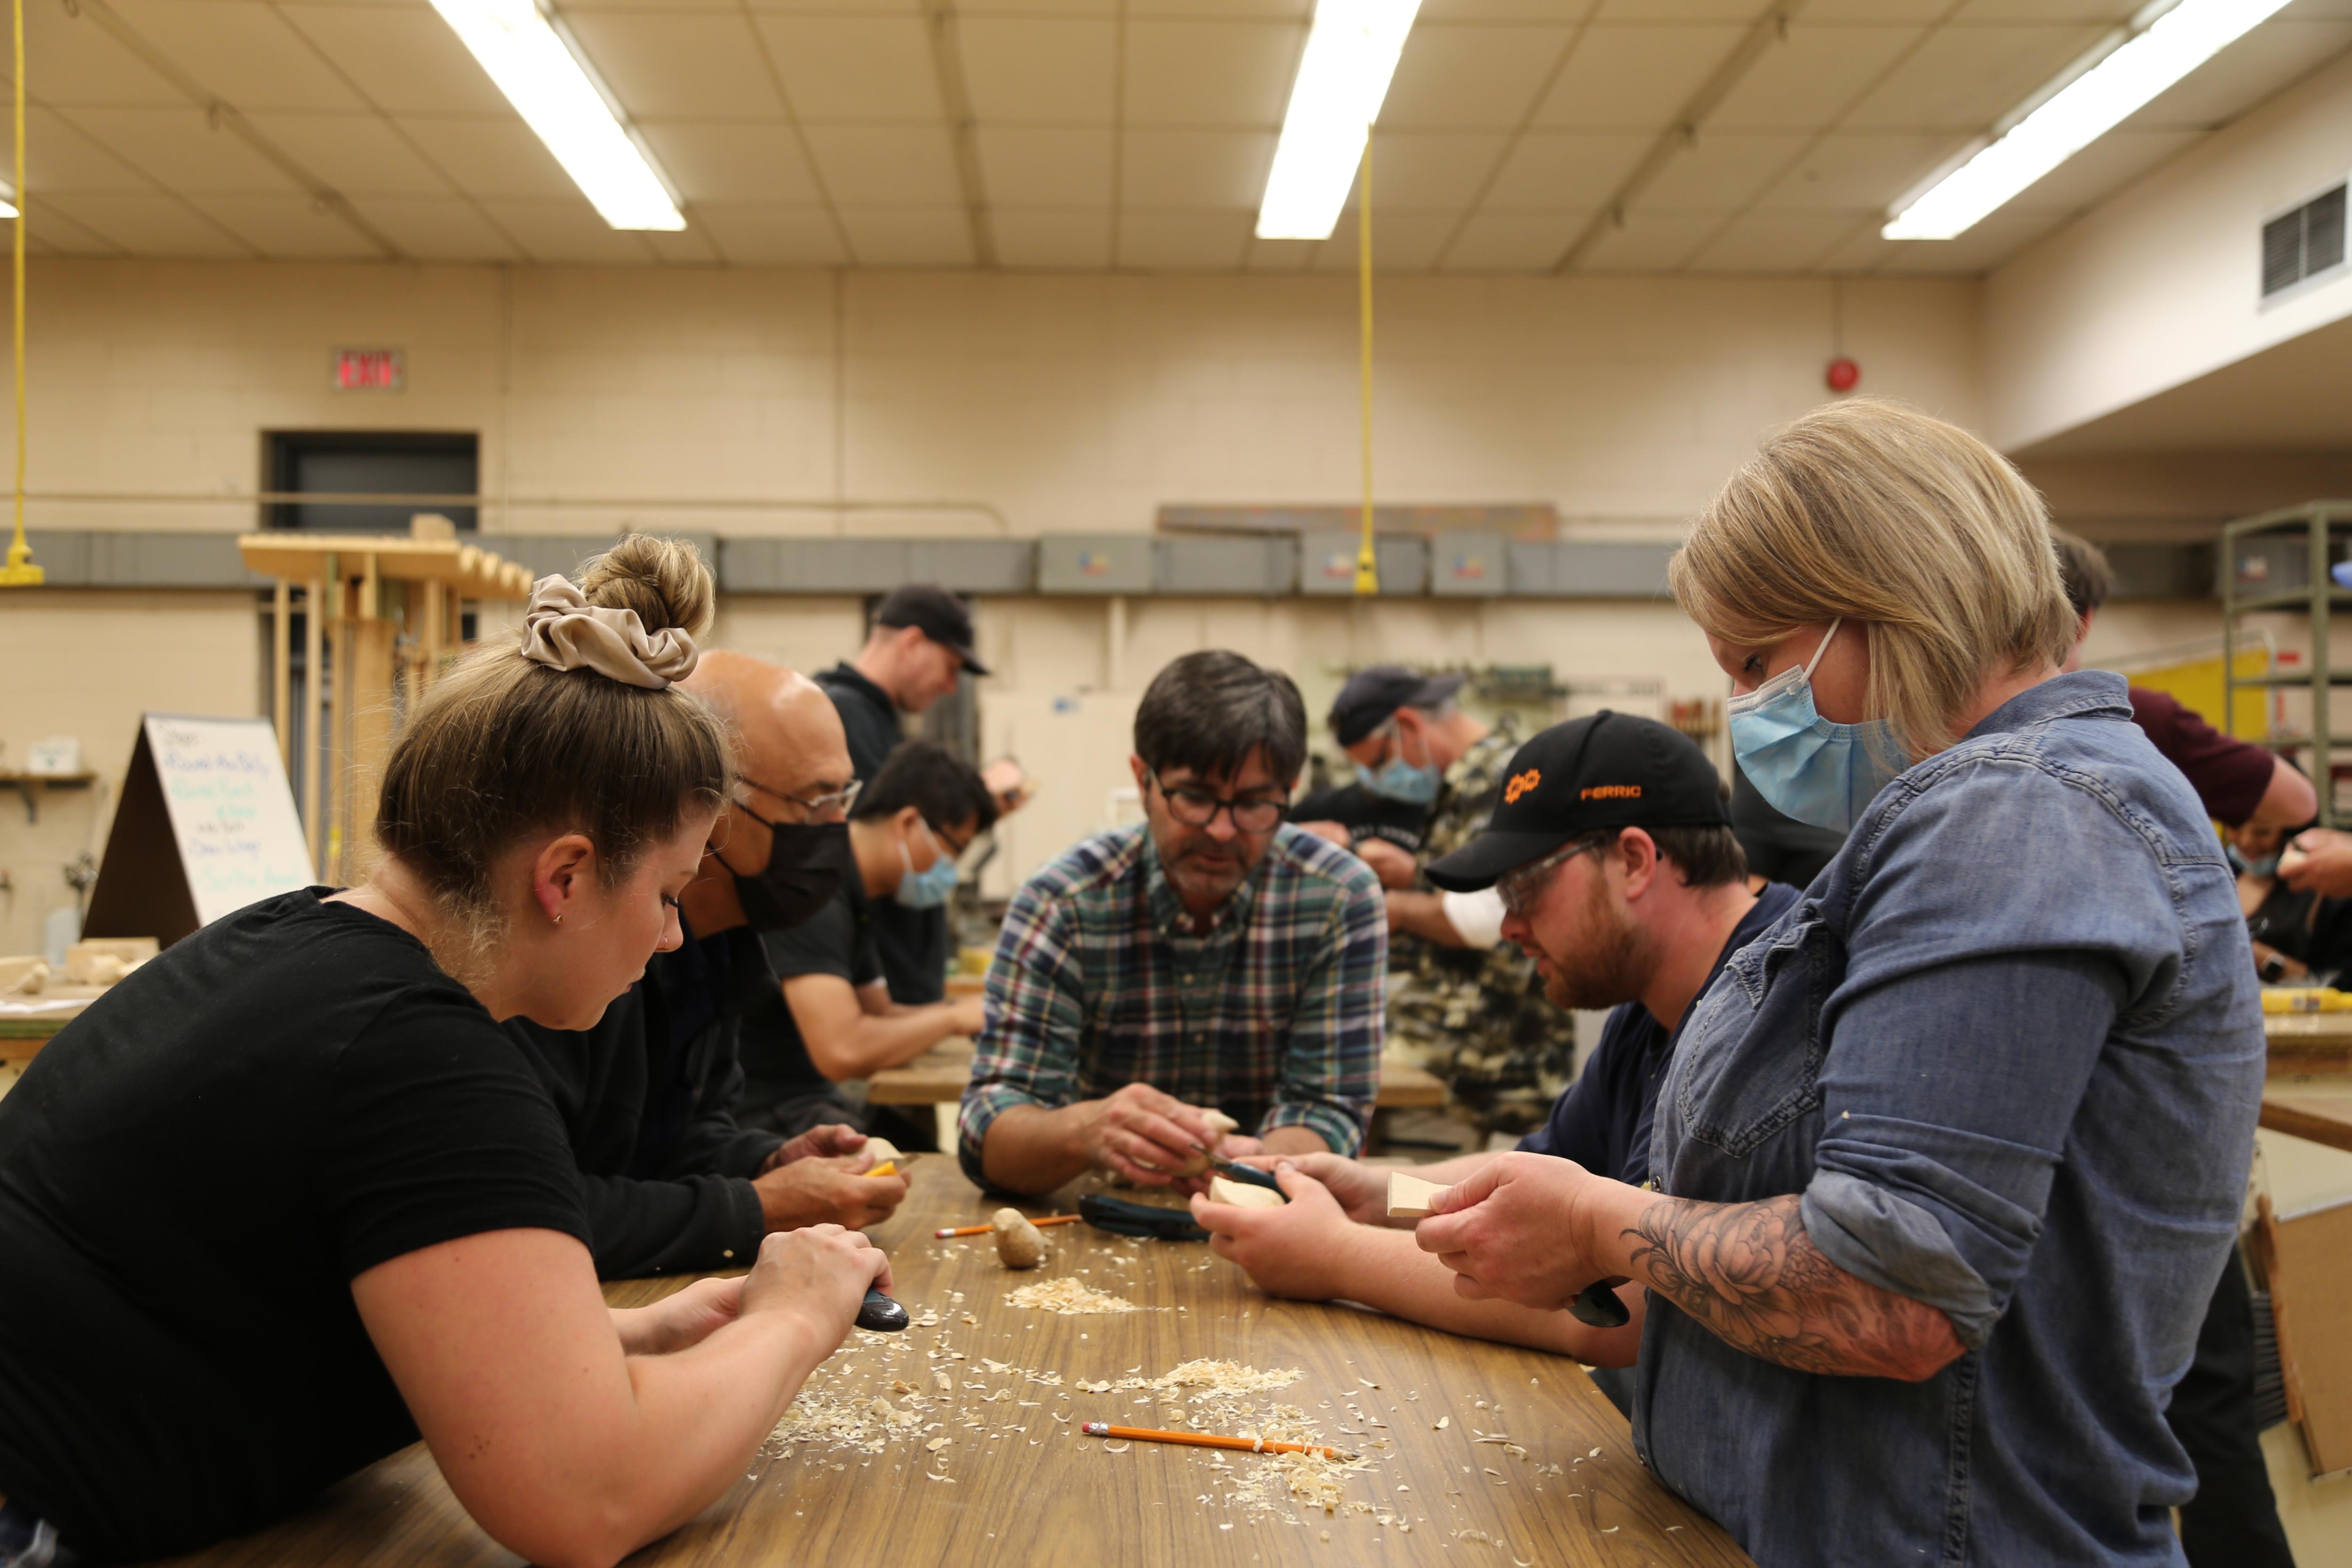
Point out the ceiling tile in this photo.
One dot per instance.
(1723, 170)
(288, 227)
(1679, 10)
(151, 225)
(58, 157)
(1553, 11)
(56, 234)
(1099, 10)
(356, 154)
(1633, 79)
(1778, 241)
(1649, 241)
(1247, 10)
(1210, 73)
(687, 246)
(885, 165)
(179, 151)
(766, 234)
(1402, 241)
(1470, 78)
(75, 61)
(858, 68)
(687, 65)
(239, 51)
(496, 156)
(1514, 242)
(1859, 169)
(1205, 169)
(733, 162)
(1032, 70)
(1183, 242)
(908, 236)
(437, 229)
(1056, 240)
(1046, 168)
(565, 231)
(1863, 250)
(1964, 79)
(1548, 172)
(2248, 71)
(1890, 12)
(2101, 13)
(1802, 83)
(406, 59)
(1431, 170)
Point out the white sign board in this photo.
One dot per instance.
(232, 810)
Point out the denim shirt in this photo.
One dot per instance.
(2009, 1046)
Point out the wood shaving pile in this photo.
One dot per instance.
(1068, 1297)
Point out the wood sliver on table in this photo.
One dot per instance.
(1476, 1456)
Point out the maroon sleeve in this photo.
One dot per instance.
(2230, 776)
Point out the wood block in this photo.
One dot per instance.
(1241, 1194)
(881, 1151)
(1409, 1196)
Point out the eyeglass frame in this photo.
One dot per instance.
(1516, 887)
(845, 797)
(1230, 807)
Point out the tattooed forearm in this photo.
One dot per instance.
(1751, 1275)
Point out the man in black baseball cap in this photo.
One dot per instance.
(1611, 850)
(919, 647)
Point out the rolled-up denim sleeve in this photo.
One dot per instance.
(1947, 1095)
(1027, 1050)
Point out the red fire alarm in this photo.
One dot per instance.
(1844, 374)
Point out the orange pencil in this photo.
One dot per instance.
(1203, 1440)
(983, 1229)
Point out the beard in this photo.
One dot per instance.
(1606, 966)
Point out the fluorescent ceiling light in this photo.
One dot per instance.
(1351, 53)
(552, 88)
(2085, 108)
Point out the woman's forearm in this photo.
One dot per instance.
(1387, 1269)
(1752, 1277)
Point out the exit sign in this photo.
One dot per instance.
(370, 369)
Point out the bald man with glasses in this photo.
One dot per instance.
(1212, 958)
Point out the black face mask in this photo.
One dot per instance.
(806, 863)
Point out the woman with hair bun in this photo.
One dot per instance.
(288, 1197)
(1951, 1155)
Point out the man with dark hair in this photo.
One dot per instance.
(2240, 784)
(1211, 959)
(1463, 1003)
(919, 647)
(1618, 873)
(832, 1021)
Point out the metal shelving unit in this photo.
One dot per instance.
(2319, 598)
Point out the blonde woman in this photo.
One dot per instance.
(287, 1198)
(1951, 1155)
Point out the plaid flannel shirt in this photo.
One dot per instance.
(1274, 1017)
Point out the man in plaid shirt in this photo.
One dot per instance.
(1212, 957)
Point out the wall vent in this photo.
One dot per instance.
(2301, 244)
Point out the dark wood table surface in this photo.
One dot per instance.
(1555, 1481)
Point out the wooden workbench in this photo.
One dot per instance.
(937, 1077)
(1025, 1488)
(2304, 1043)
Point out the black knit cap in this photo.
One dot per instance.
(1612, 770)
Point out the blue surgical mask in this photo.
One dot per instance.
(926, 890)
(1805, 765)
(1400, 780)
(2266, 866)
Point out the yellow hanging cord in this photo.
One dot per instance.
(20, 572)
(1368, 569)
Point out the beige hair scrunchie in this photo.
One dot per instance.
(562, 631)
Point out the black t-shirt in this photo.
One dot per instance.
(838, 940)
(1603, 1121)
(1364, 814)
(191, 1174)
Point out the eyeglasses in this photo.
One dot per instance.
(839, 800)
(1198, 808)
(1520, 889)
(948, 846)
